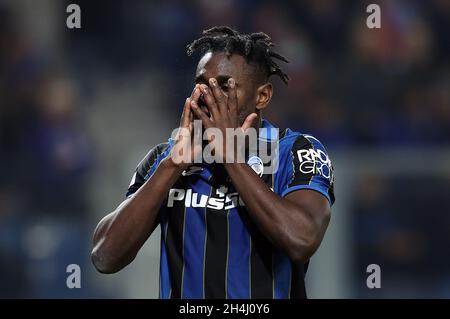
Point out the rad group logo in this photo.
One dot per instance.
(315, 162)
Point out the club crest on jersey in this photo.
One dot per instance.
(256, 164)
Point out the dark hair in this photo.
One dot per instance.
(254, 47)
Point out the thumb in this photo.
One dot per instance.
(186, 115)
(249, 121)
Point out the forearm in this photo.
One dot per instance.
(284, 223)
(119, 236)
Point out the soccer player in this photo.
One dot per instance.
(228, 229)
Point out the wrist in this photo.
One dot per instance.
(172, 167)
(232, 166)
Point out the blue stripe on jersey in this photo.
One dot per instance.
(164, 277)
(285, 166)
(194, 243)
(159, 159)
(238, 257)
(314, 185)
(282, 273)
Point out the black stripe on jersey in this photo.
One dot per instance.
(261, 264)
(216, 253)
(175, 234)
(298, 281)
(261, 267)
(300, 179)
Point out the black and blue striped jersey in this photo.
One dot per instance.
(210, 247)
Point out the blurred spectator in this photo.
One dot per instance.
(60, 149)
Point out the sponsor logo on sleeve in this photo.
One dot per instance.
(315, 162)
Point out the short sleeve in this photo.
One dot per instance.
(147, 166)
(309, 167)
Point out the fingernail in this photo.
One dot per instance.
(193, 104)
(231, 82)
(213, 81)
(204, 89)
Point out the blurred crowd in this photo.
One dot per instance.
(351, 86)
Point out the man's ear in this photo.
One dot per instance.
(263, 95)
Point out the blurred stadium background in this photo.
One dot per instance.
(80, 108)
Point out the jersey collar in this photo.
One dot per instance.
(268, 132)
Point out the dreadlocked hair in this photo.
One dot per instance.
(254, 47)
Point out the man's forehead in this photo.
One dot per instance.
(218, 63)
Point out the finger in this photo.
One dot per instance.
(195, 86)
(186, 115)
(232, 97)
(196, 93)
(201, 115)
(210, 101)
(191, 116)
(221, 99)
(249, 121)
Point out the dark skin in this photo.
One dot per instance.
(233, 96)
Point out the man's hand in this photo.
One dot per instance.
(186, 149)
(224, 114)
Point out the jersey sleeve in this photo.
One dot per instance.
(147, 167)
(309, 167)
